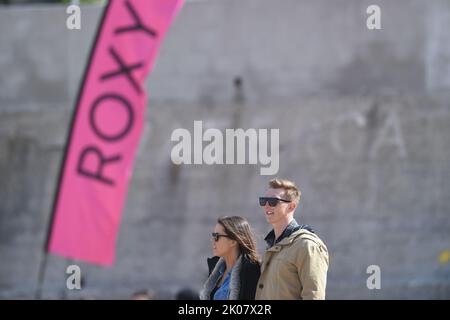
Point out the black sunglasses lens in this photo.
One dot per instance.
(272, 201)
(215, 236)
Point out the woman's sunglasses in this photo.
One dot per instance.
(271, 200)
(216, 236)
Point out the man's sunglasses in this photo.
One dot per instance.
(272, 201)
(216, 236)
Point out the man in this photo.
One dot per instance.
(295, 263)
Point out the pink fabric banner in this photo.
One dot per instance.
(106, 129)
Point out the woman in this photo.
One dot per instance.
(235, 269)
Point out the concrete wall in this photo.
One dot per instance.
(364, 125)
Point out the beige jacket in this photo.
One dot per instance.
(294, 268)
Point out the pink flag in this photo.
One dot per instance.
(106, 129)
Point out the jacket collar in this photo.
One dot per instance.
(235, 284)
(288, 240)
(270, 238)
(291, 227)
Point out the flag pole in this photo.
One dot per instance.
(44, 256)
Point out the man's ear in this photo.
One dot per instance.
(292, 206)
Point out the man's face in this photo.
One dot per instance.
(281, 211)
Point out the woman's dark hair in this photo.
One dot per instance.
(239, 229)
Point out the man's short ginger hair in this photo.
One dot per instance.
(291, 191)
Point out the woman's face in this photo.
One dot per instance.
(224, 245)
